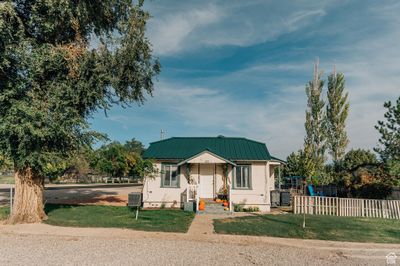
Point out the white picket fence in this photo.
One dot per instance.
(347, 207)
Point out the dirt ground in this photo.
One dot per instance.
(100, 246)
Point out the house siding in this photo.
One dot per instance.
(155, 196)
(258, 195)
(262, 182)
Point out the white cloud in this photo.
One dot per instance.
(241, 23)
(168, 32)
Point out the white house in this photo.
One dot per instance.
(193, 168)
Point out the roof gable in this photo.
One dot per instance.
(206, 156)
(182, 148)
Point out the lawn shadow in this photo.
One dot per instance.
(49, 207)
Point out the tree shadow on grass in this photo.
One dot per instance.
(53, 207)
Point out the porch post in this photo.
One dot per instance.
(268, 193)
(187, 193)
(230, 185)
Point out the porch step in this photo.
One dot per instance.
(212, 207)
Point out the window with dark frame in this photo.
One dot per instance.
(243, 177)
(169, 175)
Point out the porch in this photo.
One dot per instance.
(208, 182)
(209, 177)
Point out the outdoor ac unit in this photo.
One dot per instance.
(134, 199)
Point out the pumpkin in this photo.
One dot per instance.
(225, 204)
(202, 205)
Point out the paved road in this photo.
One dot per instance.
(48, 245)
(111, 194)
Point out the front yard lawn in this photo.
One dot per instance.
(4, 211)
(317, 227)
(116, 216)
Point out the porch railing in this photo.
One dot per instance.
(229, 198)
(191, 193)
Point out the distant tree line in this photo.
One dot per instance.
(360, 171)
(113, 159)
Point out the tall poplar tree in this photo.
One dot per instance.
(60, 62)
(314, 142)
(337, 110)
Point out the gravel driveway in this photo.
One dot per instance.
(49, 245)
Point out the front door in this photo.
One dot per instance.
(207, 181)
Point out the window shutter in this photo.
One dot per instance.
(250, 178)
(178, 176)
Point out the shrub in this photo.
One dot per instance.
(251, 209)
(237, 208)
(240, 208)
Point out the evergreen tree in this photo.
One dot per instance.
(389, 148)
(53, 78)
(294, 164)
(314, 142)
(337, 110)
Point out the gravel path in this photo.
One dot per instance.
(52, 250)
(49, 245)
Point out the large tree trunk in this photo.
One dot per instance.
(28, 200)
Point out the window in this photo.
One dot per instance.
(169, 175)
(243, 177)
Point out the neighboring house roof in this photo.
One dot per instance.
(278, 160)
(233, 149)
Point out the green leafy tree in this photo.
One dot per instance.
(144, 168)
(358, 158)
(363, 175)
(78, 164)
(5, 164)
(389, 148)
(134, 146)
(113, 160)
(337, 110)
(61, 61)
(314, 142)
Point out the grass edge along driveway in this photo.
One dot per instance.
(352, 229)
(164, 220)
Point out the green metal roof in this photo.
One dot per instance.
(233, 149)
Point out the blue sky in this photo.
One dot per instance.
(239, 68)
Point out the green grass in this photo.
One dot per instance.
(317, 227)
(4, 179)
(121, 217)
(4, 212)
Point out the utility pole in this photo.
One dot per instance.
(162, 134)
